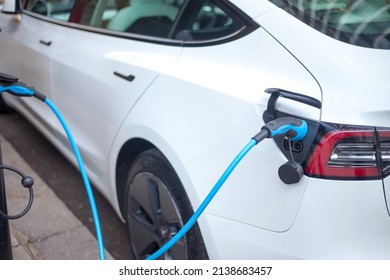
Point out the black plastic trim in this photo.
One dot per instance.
(276, 93)
(6, 78)
(232, 37)
(248, 26)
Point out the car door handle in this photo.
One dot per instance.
(129, 78)
(46, 43)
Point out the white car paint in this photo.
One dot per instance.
(199, 106)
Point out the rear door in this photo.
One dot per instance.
(98, 74)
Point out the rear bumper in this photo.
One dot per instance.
(337, 220)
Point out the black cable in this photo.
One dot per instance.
(290, 148)
(26, 182)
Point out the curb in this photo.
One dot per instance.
(49, 231)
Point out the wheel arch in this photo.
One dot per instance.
(127, 154)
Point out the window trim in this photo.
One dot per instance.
(102, 31)
(248, 26)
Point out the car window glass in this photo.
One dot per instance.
(57, 9)
(363, 23)
(206, 20)
(200, 20)
(144, 17)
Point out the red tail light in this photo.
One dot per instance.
(360, 154)
(384, 147)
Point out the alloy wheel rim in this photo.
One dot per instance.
(153, 218)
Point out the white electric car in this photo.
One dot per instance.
(161, 95)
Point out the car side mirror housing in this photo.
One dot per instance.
(11, 7)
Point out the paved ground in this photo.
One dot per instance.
(65, 181)
(49, 231)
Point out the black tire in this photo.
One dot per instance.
(156, 207)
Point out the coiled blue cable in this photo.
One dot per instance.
(84, 176)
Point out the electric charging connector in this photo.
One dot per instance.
(11, 85)
(293, 129)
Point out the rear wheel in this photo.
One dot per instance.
(156, 208)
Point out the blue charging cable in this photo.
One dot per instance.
(187, 226)
(21, 89)
(294, 129)
(84, 176)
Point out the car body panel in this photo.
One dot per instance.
(361, 79)
(386, 189)
(200, 105)
(204, 145)
(320, 230)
